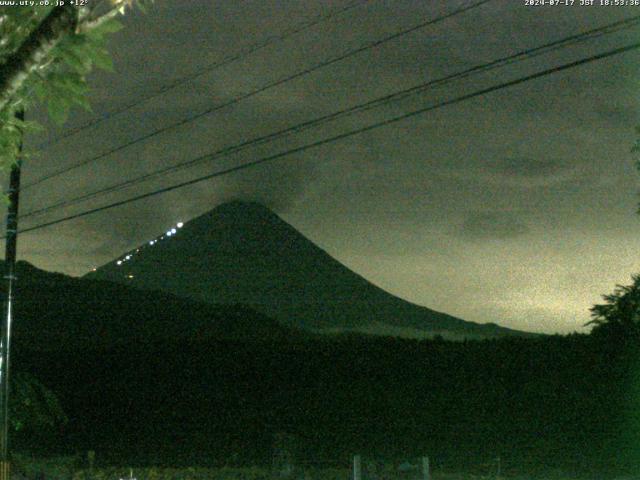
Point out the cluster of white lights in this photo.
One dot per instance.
(170, 232)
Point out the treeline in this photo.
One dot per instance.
(551, 403)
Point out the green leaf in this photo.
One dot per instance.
(83, 102)
(32, 126)
(75, 85)
(40, 90)
(58, 110)
(74, 60)
(111, 26)
(102, 59)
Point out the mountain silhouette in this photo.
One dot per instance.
(56, 312)
(243, 253)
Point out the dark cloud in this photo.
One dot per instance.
(546, 158)
(529, 167)
(618, 113)
(274, 186)
(492, 225)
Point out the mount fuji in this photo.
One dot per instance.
(243, 253)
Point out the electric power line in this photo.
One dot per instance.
(259, 90)
(210, 68)
(341, 136)
(498, 63)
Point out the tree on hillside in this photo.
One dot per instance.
(34, 408)
(620, 314)
(636, 149)
(45, 54)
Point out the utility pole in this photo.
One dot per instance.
(10, 263)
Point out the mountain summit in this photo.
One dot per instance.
(243, 253)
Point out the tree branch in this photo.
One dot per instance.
(117, 8)
(60, 22)
(87, 25)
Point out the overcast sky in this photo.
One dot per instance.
(515, 207)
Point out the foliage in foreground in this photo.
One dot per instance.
(34, 408)
(620, 314)
(63, 469)
(45, 55)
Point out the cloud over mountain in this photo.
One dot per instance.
(492, 225)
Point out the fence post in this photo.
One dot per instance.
(426, 474)
(357, 467)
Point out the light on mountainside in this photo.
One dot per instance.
(169, 233)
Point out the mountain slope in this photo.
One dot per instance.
(58, 312)
(243, 253)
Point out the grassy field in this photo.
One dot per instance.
(71, 468)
